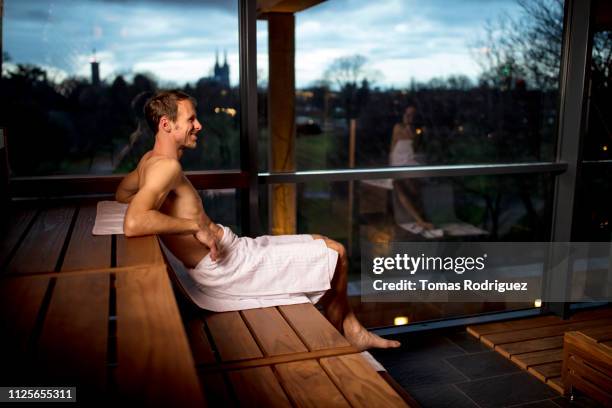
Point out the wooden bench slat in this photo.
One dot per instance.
(312, 327)
(19, 220)
(202, 351)
(592, 391)
(258, 387)
(526, 360)
(40, 250)
(272, 332)
(547, 331)
(154, 362)
(309, 386)
(76, 327)
(359, 383)
(579, 368)
(585, 347)
(85, 250)
(546, 371)
(216, 391)
(280, 359)
(20, 302)
(138, 251)
(546, 343)
(231, 336)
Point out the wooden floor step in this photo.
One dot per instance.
(546, 371)
(556, 383)
(531, 322)
(501, 327)
(527, 346)
(536, 344)
(601, 334)
(535, 358)
(538, 332)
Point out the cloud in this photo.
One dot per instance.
(177, 40)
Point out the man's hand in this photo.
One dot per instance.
(208, 238)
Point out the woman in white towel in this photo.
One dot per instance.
(407, 191)
(232, 272)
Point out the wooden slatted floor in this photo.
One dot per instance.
(536, 344)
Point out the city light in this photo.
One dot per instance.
(419, 131)
(400, 320)
(229, 111)
(604, 148)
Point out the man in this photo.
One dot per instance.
(233, 272)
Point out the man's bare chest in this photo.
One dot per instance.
(183, 201)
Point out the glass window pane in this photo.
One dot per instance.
(460, 209)
(223, 207)
(594, 204)
(598, 132)
(453, 82)
(75, 77)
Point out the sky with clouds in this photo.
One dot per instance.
(177, 40)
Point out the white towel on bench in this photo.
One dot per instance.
(109, 218)
(265, 271)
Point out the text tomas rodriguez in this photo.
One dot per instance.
(425, 285)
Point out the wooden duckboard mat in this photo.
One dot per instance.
(536, 344)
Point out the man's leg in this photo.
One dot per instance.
(336, 306)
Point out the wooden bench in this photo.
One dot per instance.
(95, 312)
(99, 312)
(587, 363)
(283, 356)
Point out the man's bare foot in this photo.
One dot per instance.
(362, 339)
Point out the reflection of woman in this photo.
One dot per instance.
(402, 154)
(402, 142)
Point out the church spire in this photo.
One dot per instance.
(225, 63)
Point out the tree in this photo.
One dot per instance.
(527, 46)
(352, 77)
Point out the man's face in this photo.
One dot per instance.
(186, 126)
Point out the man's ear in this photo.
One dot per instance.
(164, 124)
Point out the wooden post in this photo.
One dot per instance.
(281, 117)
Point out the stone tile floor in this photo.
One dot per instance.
(452, 369)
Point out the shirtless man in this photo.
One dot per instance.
(163, 201)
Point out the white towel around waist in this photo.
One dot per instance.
(265, 271)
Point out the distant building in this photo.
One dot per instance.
(95, 72)
(221, 72)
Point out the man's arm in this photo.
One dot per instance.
(127, 188)
(143, 216)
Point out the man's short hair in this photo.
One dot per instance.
(164, 103)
